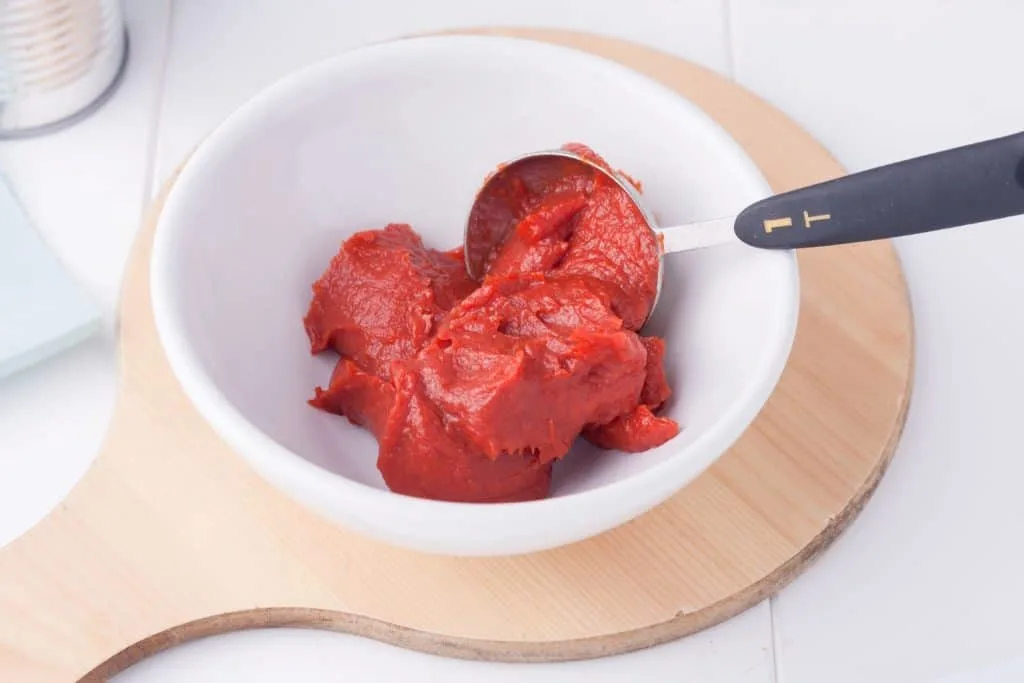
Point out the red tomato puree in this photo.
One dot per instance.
(473, 390)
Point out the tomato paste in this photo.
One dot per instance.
(473, 390)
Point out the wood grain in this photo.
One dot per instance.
(170, 536)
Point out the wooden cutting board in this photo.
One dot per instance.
(170, 536)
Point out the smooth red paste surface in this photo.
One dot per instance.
(473, 390)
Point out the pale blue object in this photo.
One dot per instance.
(43, 311)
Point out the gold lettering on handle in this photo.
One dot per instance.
(808, 219)
(775, 223)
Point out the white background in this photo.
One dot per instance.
(925, 587)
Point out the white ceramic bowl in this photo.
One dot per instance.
(406, 132)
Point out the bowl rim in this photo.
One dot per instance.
(321, 488)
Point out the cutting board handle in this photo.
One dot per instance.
(77, 583)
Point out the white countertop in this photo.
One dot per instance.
(925, 587)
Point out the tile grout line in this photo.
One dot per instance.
(156, 115)
(730, 47)
(730, 66)
(773, 632)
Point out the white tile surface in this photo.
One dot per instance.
(736, 652)
(44, 450)
(876, 80)
(926, 584)
(83, 189)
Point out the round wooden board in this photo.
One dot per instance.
(170, 536)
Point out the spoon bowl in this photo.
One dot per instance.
(490, 222)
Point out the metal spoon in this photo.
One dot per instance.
(959, 186)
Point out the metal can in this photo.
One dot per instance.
(59, 60)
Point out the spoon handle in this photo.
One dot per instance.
(978, 182)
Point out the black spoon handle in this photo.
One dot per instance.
(978, 182)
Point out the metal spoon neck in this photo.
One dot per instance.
(699, 235)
